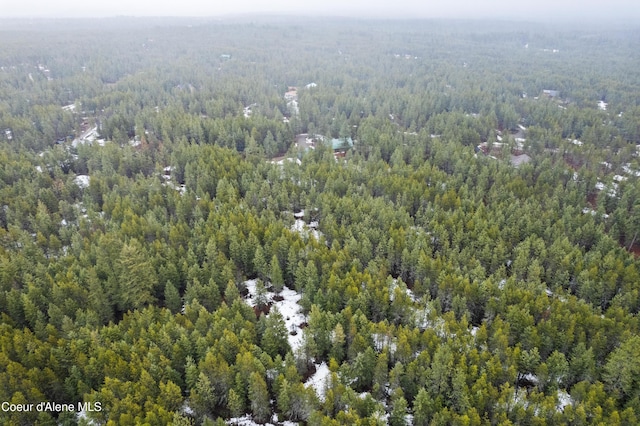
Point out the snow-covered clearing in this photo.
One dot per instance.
(288, 159)
(246, 420)
(82, 415)
(628, 170)
(289, 308)
(89, 137)
(382, 341)
(319, 380)
(82, 181)
(403, 287)
(291, 311)
(564, 399)
(182, 188)
(301, 227)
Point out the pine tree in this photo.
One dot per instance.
(172, 298)
(260, 263)
(422, 408)
(137, 277)
(231, 293)
(259, 398)
(235, 404)
(398, 413)
(276, 275)
(274, 340)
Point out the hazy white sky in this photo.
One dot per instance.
(522, 9)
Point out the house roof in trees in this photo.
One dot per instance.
(341, 143)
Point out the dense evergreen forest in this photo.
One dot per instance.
(323, 222)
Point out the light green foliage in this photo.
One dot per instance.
(259, 398)
(137, 277)
(274, 338)
(621, 372)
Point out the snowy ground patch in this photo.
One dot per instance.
(181, 188)
(289, 307)
(382, 341)
(88, 136)
(246, 420)
(564, 399)
(319, 380)
(292, 313)
(304, 229)
(82, 181)
(82, 415)
(403, 287)
(281, 161)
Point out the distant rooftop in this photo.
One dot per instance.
(341, 143)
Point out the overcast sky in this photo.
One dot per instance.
(522, 9)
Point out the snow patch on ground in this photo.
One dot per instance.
(293, 106)
(246, 420)
(281, 161)
(382, 341)
(82, 181)
(242, 421)
(247, 111)
(564, 399)
(250, 285)
(301, 227)
(86, 137)
(82, 415)
(407, 290)
(319, 380)
(182, 188)
(186, 409)
(630, 171)
(291, 312)
(289, 307)
(612, 188)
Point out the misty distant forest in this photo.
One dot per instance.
(319, 222)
